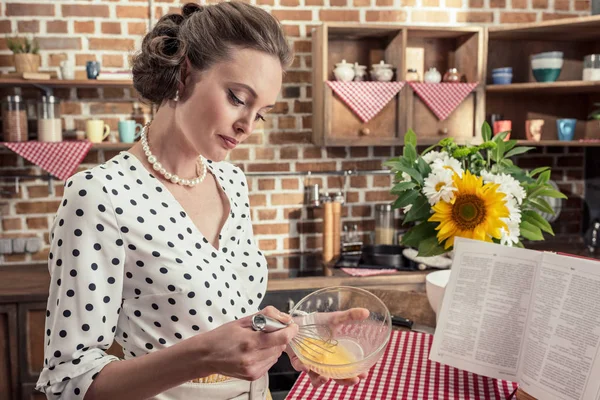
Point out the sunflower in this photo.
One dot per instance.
(475, 212)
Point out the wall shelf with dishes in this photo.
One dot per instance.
(544, 80)
(340, 102)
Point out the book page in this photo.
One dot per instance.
(482, 321)
(562, 346)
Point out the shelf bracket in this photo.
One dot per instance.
(48, 90)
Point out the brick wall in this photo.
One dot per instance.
(108, 31)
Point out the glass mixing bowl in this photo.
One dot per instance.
(352, 345)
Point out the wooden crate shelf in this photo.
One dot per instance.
(60, 83)
(565, 87)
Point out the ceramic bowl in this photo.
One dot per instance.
(435, 286)
(502, 70)
(502, 78)
(548, 54)
(360, 343)
(546, 69)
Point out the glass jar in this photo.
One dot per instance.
(49, 122)
(14, 119)
(412, 75)
(451, 76)
(591, 67)
(384, 224)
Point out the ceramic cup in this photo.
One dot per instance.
(96, 130)
(503, 126)
(67, 70)
(93, 69)
(566, 128)
(533, 129)
(129, 131)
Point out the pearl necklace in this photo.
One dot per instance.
(173, 178)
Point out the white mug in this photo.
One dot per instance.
(67, 71)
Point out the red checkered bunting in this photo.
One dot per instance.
(404, 372)
(442, 98)
(368, 271)
(366, 99)
(58, 158)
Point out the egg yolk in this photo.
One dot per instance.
(325, 353)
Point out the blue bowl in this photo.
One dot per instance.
(546, 74)
(502, 70)
(502, 79)
(548, 54)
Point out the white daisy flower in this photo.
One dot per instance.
(448, 163)
(406, 209)
(434, 155)
(405, 177)
(439, 186)
(508, 185)
(514, 210)
(510, 236)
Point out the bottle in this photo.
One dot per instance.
(49, 123)
(337, 226)
(412, 75)
(452, 76)
(14, 119)
(327, 230)
(384, 224)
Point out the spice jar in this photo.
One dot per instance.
(451, 76)
(49, 122)
(14, 119)
(384, 224)
(412, 75)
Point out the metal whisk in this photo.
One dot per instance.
(312, 340)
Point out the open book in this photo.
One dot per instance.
(523, 315)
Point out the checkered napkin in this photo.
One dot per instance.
(442, 98)
(366, 99)
(58, 158)
(404, 372)
(368, 272)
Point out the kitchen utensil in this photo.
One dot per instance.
(422, 263)
(533, 129)
(360, 72)
(382, 72)
(452, 76)
(591, 67)
(311, 339)
(503, 126)
(384, 255)
(410, 324)
(502, 76)
(566, 128)
(344, 71)
(384, 224)
(92, 69)
(363, 341)
(432, 76)
(412, 75)
(546, 66)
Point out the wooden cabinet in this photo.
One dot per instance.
(335, 124)
(8, 351)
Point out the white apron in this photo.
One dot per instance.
(232, 389)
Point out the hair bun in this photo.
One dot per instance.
(191, 8)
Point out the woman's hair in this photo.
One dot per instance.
(205, 35)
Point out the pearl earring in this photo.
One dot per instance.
(176, 98)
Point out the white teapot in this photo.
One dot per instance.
(432, 76)
(344, 71)
(382, 72)
(360, 72)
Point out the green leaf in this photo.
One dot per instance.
(486, 131)
(518, 150)
(410, 138)
(537, 220)
(412, 172)
(547, 192)
(544, 177)
(405, 199)
(519, 244)
(530, 231)
(430, 247)
(419, 232)
(499, 138)
(498, 152)
(410, 152)
(402, 186)
(508, 145)
(423, 167)
(427, 150)
(538, 170)
(420, 210)
(541, 205)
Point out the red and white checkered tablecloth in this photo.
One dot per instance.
(366, 99)
(442, 98)
(404, 372)
(61, 159)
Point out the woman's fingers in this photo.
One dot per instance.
(317, 380)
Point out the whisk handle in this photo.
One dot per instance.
(261, 322)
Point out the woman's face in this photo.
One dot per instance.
(221, 106)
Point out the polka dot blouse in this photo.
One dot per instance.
(127, 264)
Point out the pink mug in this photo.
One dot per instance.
(503, 126)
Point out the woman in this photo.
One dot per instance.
(154, 248)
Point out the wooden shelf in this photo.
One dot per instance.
(576, 143)
(564, 30)
(59, 83)
(101, 146)
(561, 87)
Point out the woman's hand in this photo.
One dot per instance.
(234, 349)
(334, 320)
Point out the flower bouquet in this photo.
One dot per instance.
(472, 191)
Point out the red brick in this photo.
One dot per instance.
(539, 3)
(430, 16)
(289, 137)
(28, 26)
(132, 12)
(297, 77)
(291, 243)
(70, 108)
(359, 152)
(286, 122)
(288, 153)
(561, 5)
(37, 223)
(361, 3)
(84, 26)
(56, 27)
(85, 10)
(39, 207)
(338, 15)
(358, 181)
(315, 166)
(289, 3)
(111, 28)
(137, 28)
(291, 30)
(82, 59)
(554, 16)
(265, 2)
(475, 17)
(112, 60)
(5, 26)
(338, 3)
(11, 224)
(475, 3)
(302, 107)
(257, 200)
(110, 108)
(59, 43)
(23, 9)
(274, 167)
(517, 17)
(361, 211)
(266, 184)
(454, 3)
(432, 3)
(267, 244)
(286, 199)
(265, 215)
(239, 154)
(382, 181)
(289, 184)
(111, 44)
(292, 15)
(386, 16)
(271, 229)
(362, 165)
(292, 213)
(264, 153)
(311, 152)
(384, 3)
(582, 5)
(497, 3)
